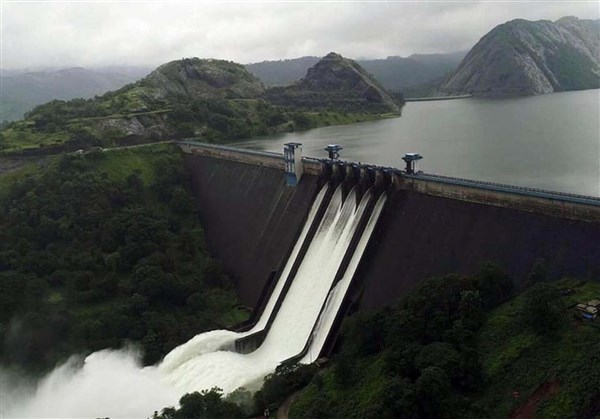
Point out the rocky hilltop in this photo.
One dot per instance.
(521, 57)
(336, 83)
(203, 78)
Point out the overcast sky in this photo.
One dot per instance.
(83, 33)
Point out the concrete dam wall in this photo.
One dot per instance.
(422, 235)
(252, 219)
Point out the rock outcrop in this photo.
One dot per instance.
(335, 83)
(203, 78)
(521, 57)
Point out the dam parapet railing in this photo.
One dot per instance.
(555, 204)
(248, 156)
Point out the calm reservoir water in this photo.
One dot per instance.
(550, 141)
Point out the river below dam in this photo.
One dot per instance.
(550, 141)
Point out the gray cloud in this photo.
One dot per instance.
(50, 33)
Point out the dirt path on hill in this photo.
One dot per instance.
(543, 392)
(284, 409)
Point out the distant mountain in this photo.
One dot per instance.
(424, 90)
(23, 91)
(399, 73)
(394, 73)
(336, 83)
(521, 57)
(282, 72)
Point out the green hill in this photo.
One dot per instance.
(336, 83)
(215, 100)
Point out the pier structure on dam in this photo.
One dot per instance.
(292, 155)
(253, 216)
(411, 160)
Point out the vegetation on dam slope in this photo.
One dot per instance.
(456, 347)
(104, 248)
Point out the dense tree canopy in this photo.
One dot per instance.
(89, 260)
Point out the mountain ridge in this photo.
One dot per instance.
(522, 57)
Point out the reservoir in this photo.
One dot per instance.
(550, 141)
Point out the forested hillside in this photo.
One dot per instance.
(465, 347)
(102, 249)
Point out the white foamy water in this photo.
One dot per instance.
(290, 262)
(109, 384)
(112, 383)
(338, 293)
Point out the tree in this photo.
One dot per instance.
(543, 308)
(471, 313)
(181, 202)
(364, 334)
(207, 404)
(438, 354)
(284, 381)
(301, 121)
(401, 399)
(432, 388)
(495, 286)
(435, 304)
(538, 273)
(343, 371)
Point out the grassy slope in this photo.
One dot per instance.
(118, 164)
(121, 163)
(513, 358)
(360, 400)
(22, 136)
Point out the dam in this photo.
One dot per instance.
(431, 224)
(300, 303)
(367, 236)
(309, 241)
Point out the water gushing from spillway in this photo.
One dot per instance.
(337, 294)
(111, 383)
